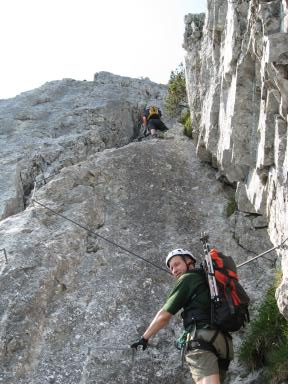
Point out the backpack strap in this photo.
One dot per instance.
(197, 290)
(229, 297)
(192, 316)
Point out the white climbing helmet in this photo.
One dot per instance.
(179, 252)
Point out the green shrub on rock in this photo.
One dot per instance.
(176, 92)
(266, 345)
(187, 130)
(185, 120)
(231, 207)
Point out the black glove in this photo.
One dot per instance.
(142, 342)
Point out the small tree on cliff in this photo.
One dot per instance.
(177, 96)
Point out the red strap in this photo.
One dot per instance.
(215, 256)
(220, 264)
(224, 280)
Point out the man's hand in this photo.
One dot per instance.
(160, 321)
(142, 342)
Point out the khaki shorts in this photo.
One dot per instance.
(205, 363)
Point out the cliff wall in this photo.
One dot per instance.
(237, 83)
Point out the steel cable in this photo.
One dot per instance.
(100, 236)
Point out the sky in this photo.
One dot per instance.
(45, 40)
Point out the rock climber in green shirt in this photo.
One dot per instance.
(208, 350)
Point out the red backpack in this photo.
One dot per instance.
(229, 311)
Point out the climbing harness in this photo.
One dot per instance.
(223, 363)
(190, 343)
(187, 337)
(96, 234)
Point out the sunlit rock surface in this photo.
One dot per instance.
(71, 302)
(63, 122)
(237, 74)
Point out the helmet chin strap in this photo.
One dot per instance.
(187, 265)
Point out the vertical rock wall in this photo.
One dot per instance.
(237, 82)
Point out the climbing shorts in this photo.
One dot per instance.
(156, 124)
(204, 361)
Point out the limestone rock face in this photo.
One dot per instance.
(62, 123)
(72, 297)
(237, 71)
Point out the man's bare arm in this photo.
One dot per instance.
(161, 319)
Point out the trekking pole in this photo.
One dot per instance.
(210, 268)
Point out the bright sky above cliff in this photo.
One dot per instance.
(44, 40)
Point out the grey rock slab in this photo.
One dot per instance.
(72, 302)
(60, 124)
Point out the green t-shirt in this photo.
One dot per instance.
(184, 289)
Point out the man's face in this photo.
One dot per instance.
(177, 266)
